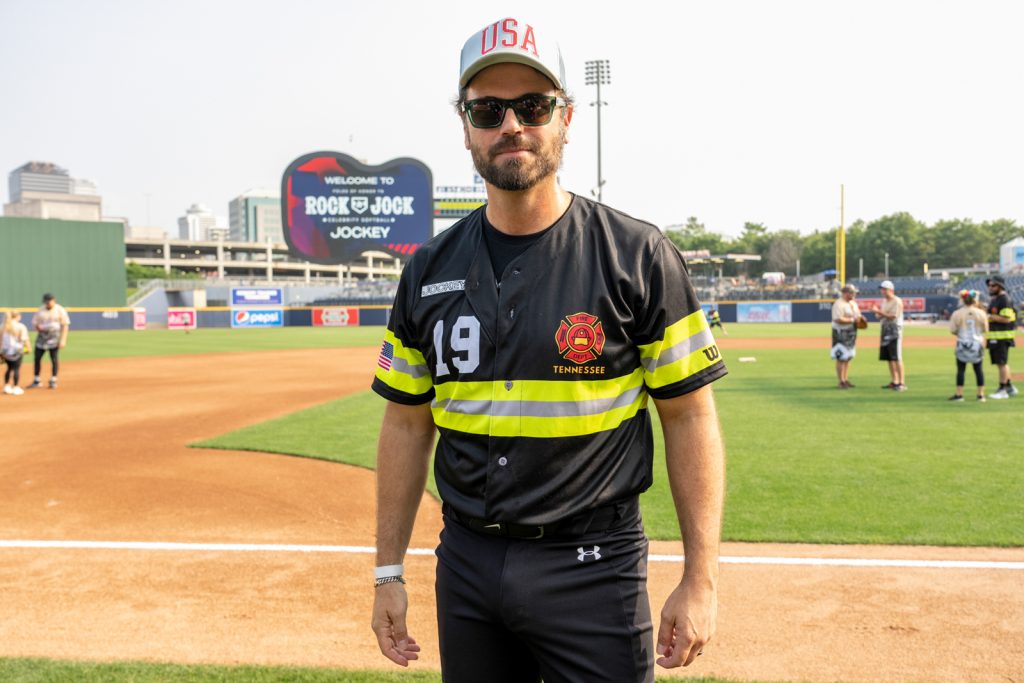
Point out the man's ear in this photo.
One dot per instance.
(566, 119)
(465, 131)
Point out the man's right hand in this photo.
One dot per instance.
(390, 605)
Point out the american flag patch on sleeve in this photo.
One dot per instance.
(387, 354)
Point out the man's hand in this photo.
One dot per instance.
(390, 605)
(687, 624)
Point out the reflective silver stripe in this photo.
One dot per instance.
(403, 366)
(680, 350)
(539, 408)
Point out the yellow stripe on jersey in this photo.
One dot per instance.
(687, 348)
(408, 372)
(538, 408)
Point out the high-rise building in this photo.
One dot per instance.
(255, 216)
(196, 223)
(41, 189)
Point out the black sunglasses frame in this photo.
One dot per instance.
(514, 105)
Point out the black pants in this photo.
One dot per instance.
(979, 373)
(13, 370)
(565, 609)
(54, 360)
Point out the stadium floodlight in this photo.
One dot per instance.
(598, 72)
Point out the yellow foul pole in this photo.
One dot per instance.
(841, 238)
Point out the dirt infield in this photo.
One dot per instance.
(104, 459)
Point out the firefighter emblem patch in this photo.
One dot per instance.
(580, 338)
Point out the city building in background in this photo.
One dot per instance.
(42, 189)
(255, 216)
(195, 225)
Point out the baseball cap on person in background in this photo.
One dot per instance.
(887, 284)
(849, 288)
(511, 40)
(996, 280)
(48, 297)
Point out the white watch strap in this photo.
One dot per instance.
(388, 570)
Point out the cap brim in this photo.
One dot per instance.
(506, 58)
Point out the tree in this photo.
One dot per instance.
(898, 235)
(782, 252)
(959, 243)
(694, 236)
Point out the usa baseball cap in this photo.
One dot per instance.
(996, 280)
(887, 284)
(849, 288)
(516, 41)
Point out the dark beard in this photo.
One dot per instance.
(516, 175)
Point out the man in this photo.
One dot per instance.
(715, 320)
(530, 335)
(1002, 319)
(51, 323)
(890, 348)
(845, 316)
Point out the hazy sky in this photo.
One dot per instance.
(728, 111)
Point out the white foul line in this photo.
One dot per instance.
(369, 550)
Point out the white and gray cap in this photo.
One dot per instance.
(511, 40)
(887, 284)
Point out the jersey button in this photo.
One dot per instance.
(503, 461)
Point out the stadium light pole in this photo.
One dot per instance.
(598, 72)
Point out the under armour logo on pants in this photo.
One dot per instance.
(592, 554)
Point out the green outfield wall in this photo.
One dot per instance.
(80, 262)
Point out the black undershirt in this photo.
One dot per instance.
(504, 249)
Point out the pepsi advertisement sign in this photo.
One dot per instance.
(333, 207)
(261, 317)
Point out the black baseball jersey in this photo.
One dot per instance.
(1002, 305)
(539, 376)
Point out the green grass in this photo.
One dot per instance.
(807, 463)
(53, 671)
(88, 345)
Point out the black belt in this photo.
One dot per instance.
(596, 520)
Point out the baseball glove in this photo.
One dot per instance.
(862, 323)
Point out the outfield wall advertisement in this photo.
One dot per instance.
(257, 296)
(336, 317)
(764, 312)
(257, 317)
(181, 319)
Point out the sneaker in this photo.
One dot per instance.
(850, 385)
(956, 399)
(8, 389)
(981, 399)
(842, 385)
(53, 382)
(1012, 390)
(900, 387)
(890, 385)
(17, 391)
(35, 384)
(999, 394)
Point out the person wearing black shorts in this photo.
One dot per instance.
(1002, 323)
(890, 346)
(51, 324)
(530, 337)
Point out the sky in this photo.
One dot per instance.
(727, 111)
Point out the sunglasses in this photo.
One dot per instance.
(530, 110)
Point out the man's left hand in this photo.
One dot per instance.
(687, 624)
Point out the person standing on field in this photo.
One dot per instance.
(890, 348)
(14, 343)
(1002, 323)
(51, 324)
(530, 337)
(845, 317)
(970, 325)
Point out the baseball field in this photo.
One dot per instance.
(200, 507)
